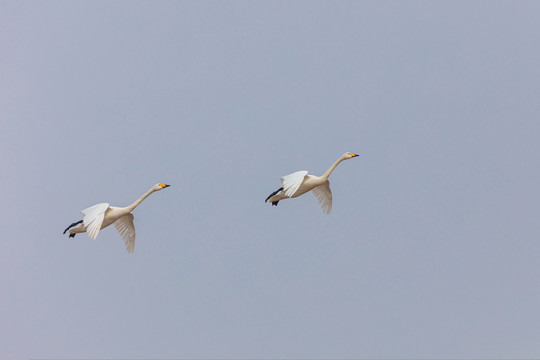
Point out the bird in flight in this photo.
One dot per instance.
(100, 216)
(299, 183)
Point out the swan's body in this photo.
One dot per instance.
(299, 183)
(100, 216)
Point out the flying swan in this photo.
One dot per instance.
(100, 216)
(299, 183)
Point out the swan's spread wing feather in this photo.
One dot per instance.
(324, 196)
(292, 182)
(93, 218)
(126, 229)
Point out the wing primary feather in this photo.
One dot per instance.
(93, 219)
(292, 182)
(125, 227)
(323, 194)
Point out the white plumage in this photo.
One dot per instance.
(125, 227)
(93, 219)
(102, 215)
(300, 182)
(324, 196)
(292, 182)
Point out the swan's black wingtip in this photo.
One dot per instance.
(72, 235)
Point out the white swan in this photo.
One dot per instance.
(102, 215)
(299, 183)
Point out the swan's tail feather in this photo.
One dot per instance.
(272, 194)
(72, 225)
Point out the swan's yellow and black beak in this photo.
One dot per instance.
(164, 186)
(353, 155)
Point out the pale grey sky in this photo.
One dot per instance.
(432, 245)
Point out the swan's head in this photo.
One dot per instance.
(160, 187)
(349, 155)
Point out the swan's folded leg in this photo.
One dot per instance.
(72, 225)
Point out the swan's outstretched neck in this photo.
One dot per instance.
(131, 207)
(326, 175)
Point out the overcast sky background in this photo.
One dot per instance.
(432, 247)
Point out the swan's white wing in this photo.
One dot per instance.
(125, 227)
(93, 218)
(292, 182)
(324, 196)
